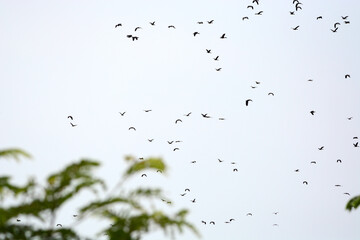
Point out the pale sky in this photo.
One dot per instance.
(61, 58)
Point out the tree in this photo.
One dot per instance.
(130, 221)
(353, 203)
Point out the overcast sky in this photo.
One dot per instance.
(60, 58)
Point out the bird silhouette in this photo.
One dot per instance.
(339, 161)
(58, 225)
(344, 18)
(221, 119)
(252, 87)
(232, 162)
(349, 118)
(250, 7)
(170, 142)
(249, 214)
(312, 112)
(171, 26)
(18, 220)
(337, 185)
(275, 225)
(297, 170)
(137, 28)
(194, 200)
(259, 13)
(276, 213)
(135, 38)
(321, 148)
(178, 120)
(257, 82)
(313, 162)
(335, 24)
(216, 58)
(159, 171)
(292, 13)
(305, 182)
(355, 137)
(319, 17)
(132, 128)
(175, 149)
(195, 33)
(218, 69)
(152, 23)
(334, 30)
(75, 215)
(193, 161)
(118, 25)
(270, 93)
(223, 36)
(347, 22)
(245, 18)
(296, 28)
(200, 22)
(71, 118)
(208, 50)
(205, 115)
(150, 140)
(203, 222)
(235, 170)
(188, 114)
(210, 22)
(147, 110)
(182, 194)
(187, 190)
(356, 144)
(347, 76)
(247, 102)
(231, 219)
(347, 193)
(212, 222)
(256, 1)
(73, 125)
(122, 113)
(143, 175)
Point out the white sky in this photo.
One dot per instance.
(61, 58)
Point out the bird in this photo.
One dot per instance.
(203, 222)
(73, 125)
(296, 28)
(220, 160)
(347, 76)
(178, 120)
(147, 110)
(310, 80)
(221, 119)
(245, 18)
(216, 58)
(18, 220)
(193, 161)
(312, 112)
(171, 26)
(259, 13)
(208, 50)
(232, 162)
(59, 225)
(297, 170)
(193, 200)
(292, 12)
(275, 225)
(347, 22)
(210, 22)
(256, 1)
(182, 194)
(231, 219)
(200, 22)
(143, 175)
(339, 161)
(335, 24)
(152, 23)
(129, 36)
(137, 28)
(270, 93)
(218, 69)
(71, 118)
(337, 185)
(313, 162)
(250, 7)
(195, 33)
(257, 82)
(344, 18)
(175, 149)
(252, 87)
(319, 17)
(305, 182)
(249, 214)
(355, 137)
(223, 36)
(212, 222)
(347, 193)
(177, 141)
(334, 30)
(150, 140)
(235, 170)
(188, 114)
(135, 38)
(122, 113)
(247, 102)
(132, 128)
(118, 25)
(170, 142)
(321, 148)
(356, 144)
(187, 190)
(276, 213)
(75, 215)
(205, 115)
(349, 118)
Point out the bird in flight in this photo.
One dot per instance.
(193, 161)
(319, 17)
(210, 22)
(212, 222)
(195, 33)
(187, 115)
(171, 26)
(349, 118)
(18, 220)
(344, 18)
(321, 148)
(75, 215)
(182, 194)
(347, 193)
(200, 22)
(335, 24)
(337, 185)
(245, 18)
(58, 225)
(152, 23)
(259, 13)
(347, 76)
(73, 125)
(339, 161)
(220, 160)
(249, 214)
(270, 93)
(256, 1)
(334, 30)
(178, 120)
(235, 170)
(296, 28)
(122, 113)
(187, 190)
(247, 102)
(216, 58)
(147, 110)
(231, 219)
(347, 22)
(250, 7)
(292, 13)
(193, 200)
(305, 182)
(132, 128)
(143, 175)
(203, 222)
(71, 118)
(208, 50)
(313, 162)
(223, 36)
(297, 170)
(118, 25)
(221, 119)
(170, 142)
(218, 69)
(137, 28)
(356, 144)
(312, 112)
(205, 115)
(175, 149)
(150, 140)
(276, 213)
(355, 137)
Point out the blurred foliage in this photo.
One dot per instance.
(353, 203)
(129, 218)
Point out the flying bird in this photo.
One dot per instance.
(187, 115)
(137, 28)
(171, 26)
(195, 33)
(205, 115)
(218, 69)
(319, 17)
(118, 25)
(212, 222)
(150, 140)
(208, 50)
(216, 58)
(270, 93)
(259, 13)
(178, 120)
(349, 118)
(223, 36)
(170, 142)
(257, 82)
(249, 214)
(182, 194)
(235, 170)
(122, 113)
(256, 1)
(210, 22)
(276, 213)
(132, 128)
(18, 220)
(71, 118)
(337, 185)
(296, 28)
(347, 22)
(321, 148)
(58, 225)
(148, 110)
(334, 30)
(152, 23)
(73, 125)
(297, 170)
(75, 215)
(247, 102)
(187, 190)
(175, 149)
(221, 119)
(305, 182)
(135, 38)
(347, 193)
(313, 162)
(193, 200)
(250, 7)
(143, 175)
(231, 219)
(193, 161)
(356, 144)
(335, 24)
(344, 18)
(355, 137)
(220, 160)
(292, 13)
(312, 112)
(200, 22)
(203, 222)
(347, 76)
(339, 161)
(245, 18)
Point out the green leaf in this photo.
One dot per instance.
(150, 163)
(353, 203)
(14, 153)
